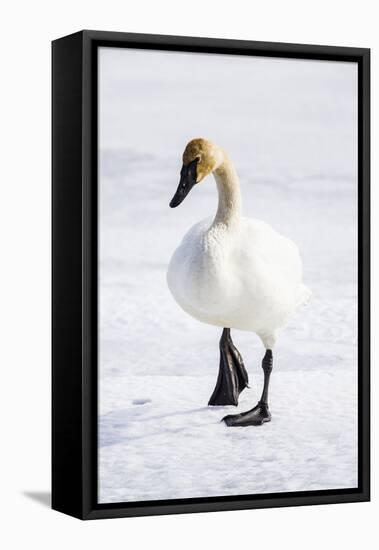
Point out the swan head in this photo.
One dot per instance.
(201, 157)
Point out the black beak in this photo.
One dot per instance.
(188, 177)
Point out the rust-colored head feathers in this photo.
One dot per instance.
(207, 154)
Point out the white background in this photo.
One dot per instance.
(27, 28)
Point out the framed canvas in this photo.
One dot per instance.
(210, 274)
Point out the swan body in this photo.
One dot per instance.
(237, 272)
(248, 278)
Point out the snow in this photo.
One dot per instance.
(291, 130)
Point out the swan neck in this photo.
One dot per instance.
(229, 196)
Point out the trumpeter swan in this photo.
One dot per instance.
(233, 272)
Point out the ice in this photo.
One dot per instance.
(291, 130)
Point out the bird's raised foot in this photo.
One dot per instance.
(255, 417)
(226, 391)
(232, 378)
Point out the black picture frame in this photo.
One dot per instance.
(74, 272)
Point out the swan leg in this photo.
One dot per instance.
(260, 413)
(232, 376)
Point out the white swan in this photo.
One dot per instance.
(234, 272)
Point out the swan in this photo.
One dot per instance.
(236, 273)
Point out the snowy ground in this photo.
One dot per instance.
(158, 367)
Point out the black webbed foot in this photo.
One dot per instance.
(242, 376)
(255, 417)
(232, 376)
